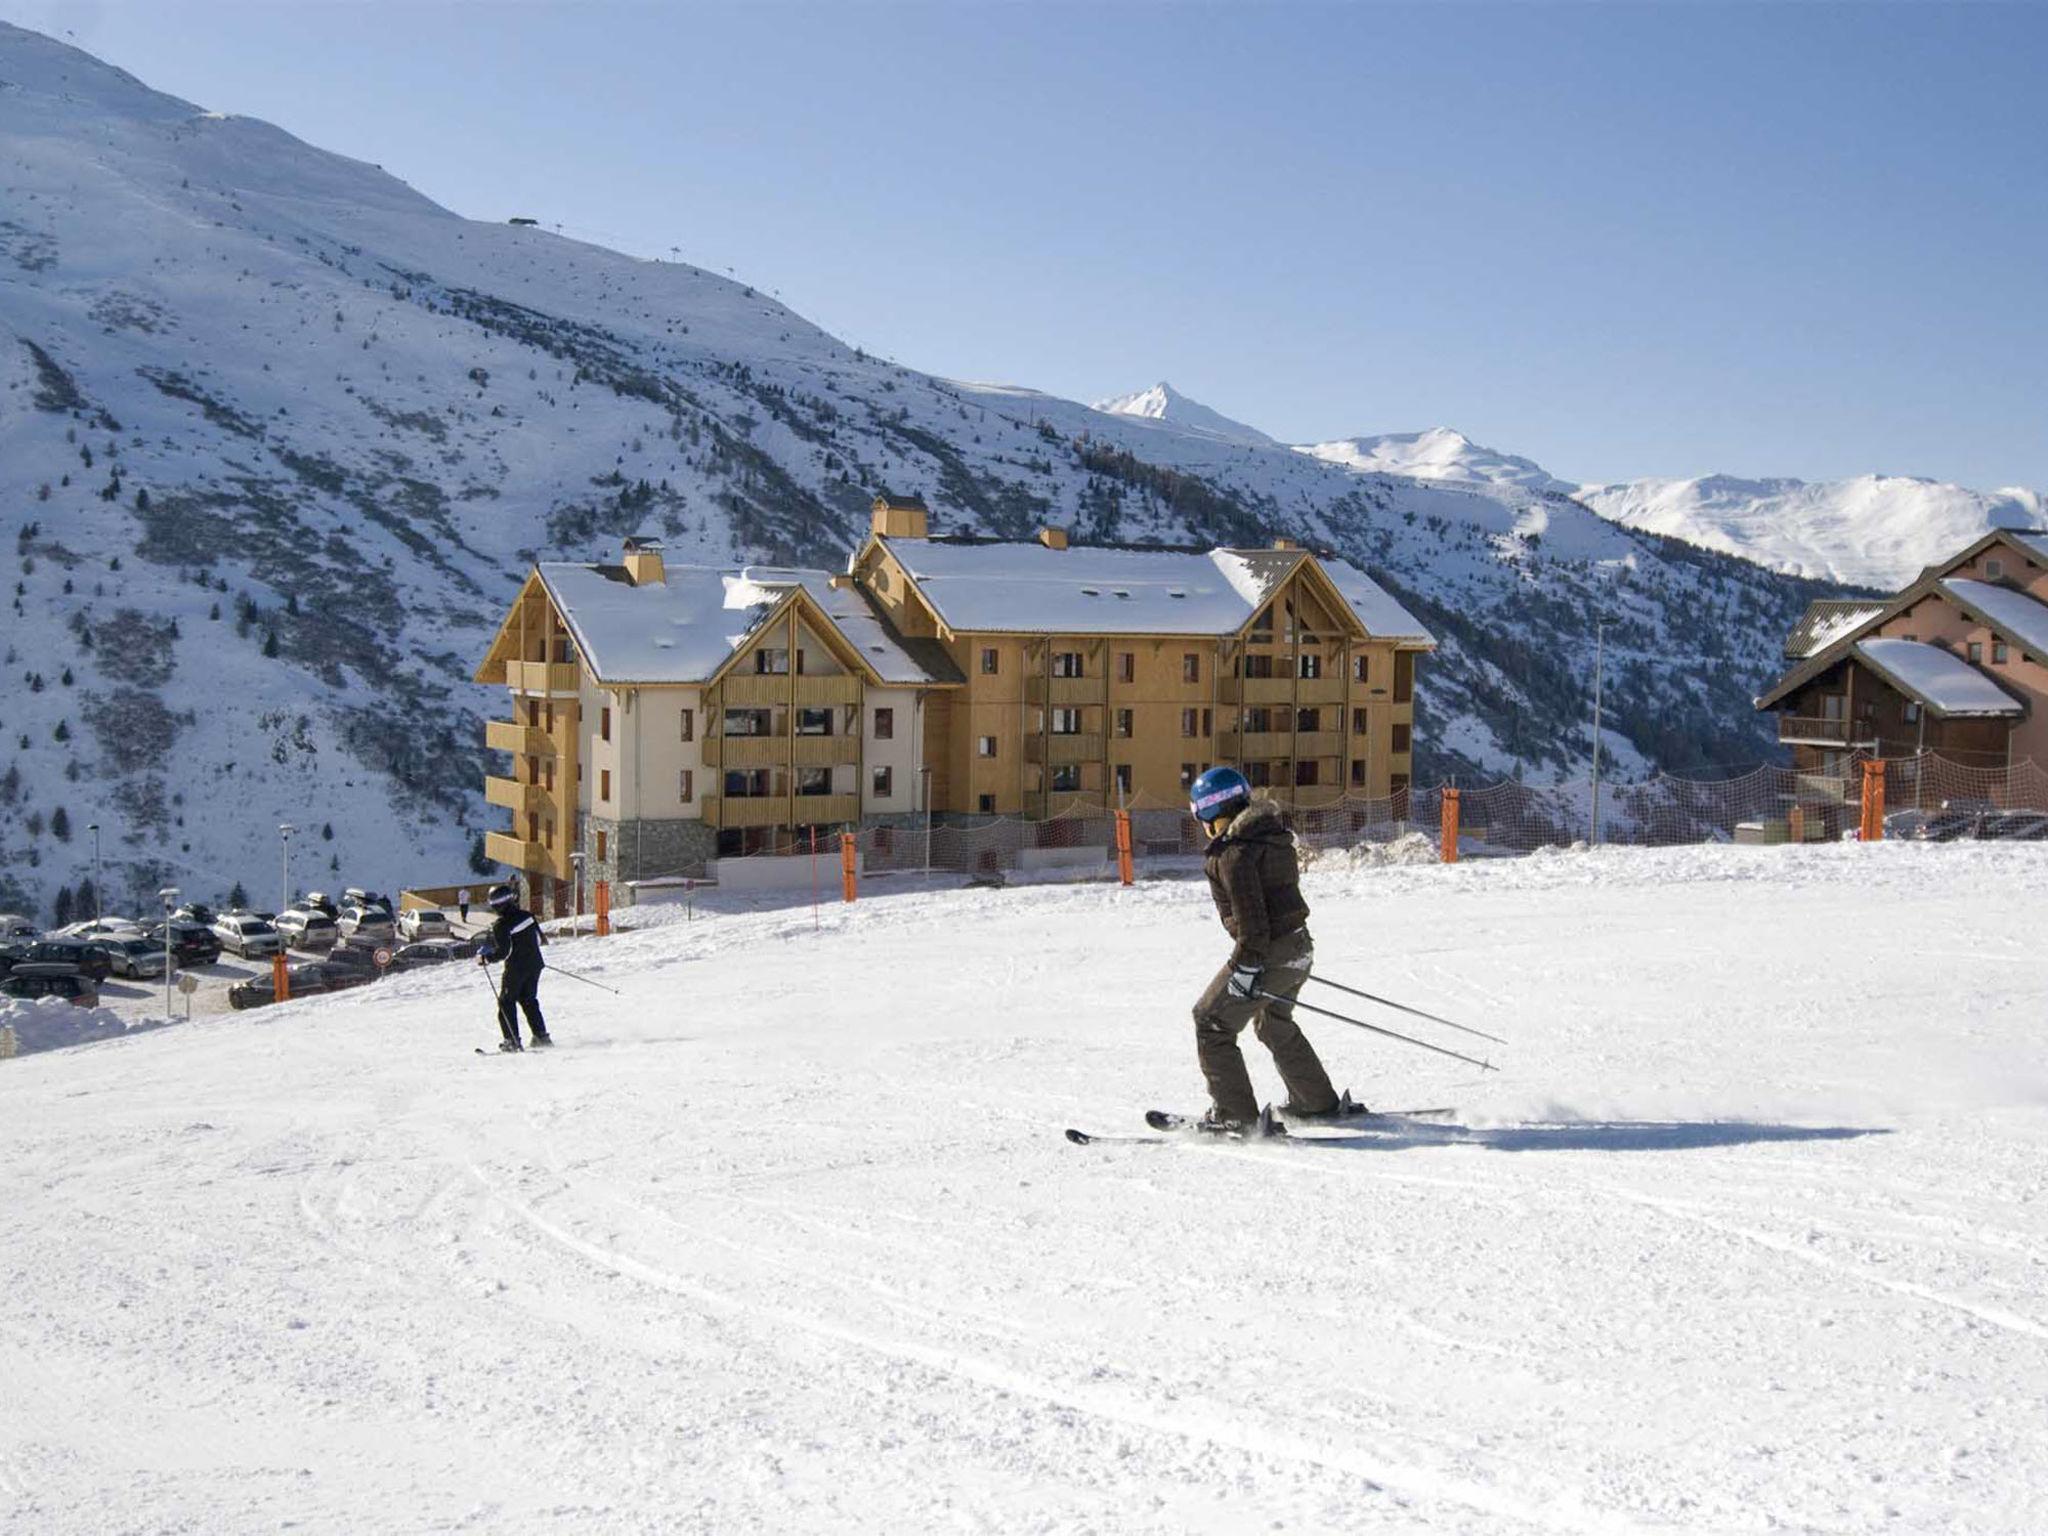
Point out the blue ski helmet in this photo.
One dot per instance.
(1219, 792)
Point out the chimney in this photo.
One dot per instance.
(1285, 544)
(901, 517)
(643, 560)
(840, 581)
(1053, 538)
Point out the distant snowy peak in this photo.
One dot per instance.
(1875, 531)
(1162, 402)
(1438, 454)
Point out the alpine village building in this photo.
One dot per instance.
(664, 716)
(1955, 665)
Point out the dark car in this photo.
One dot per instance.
(2016, 826)
(430, 952)
(190, 943)
(259, 991)
(46, 979)
(195, 914)
(88, 959)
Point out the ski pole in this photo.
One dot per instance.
(1345, 1018)
(1388, 1002)
(585, 980)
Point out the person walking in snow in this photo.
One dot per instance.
(1256, 882)
(515, 938)
(462, 903)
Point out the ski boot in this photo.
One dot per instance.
(542, 1040)
(510, 1045)
(1346, 1108)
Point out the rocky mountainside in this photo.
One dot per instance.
(278, 438)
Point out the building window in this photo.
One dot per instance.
(1311, 664)
(1066, 664)
(1263, 623)
(1976, 652)
(1401, 738)
(1998, 652)
(1308, 719)
(1993, 569)
(771, 661)
(799, 661)
(1123, 778)
(814, 722)
(1305, 771)
(884, 782)
(1066, 722)
(1187, 774)
(814, 781)
(1361, 669)
(689, 787)
(986, 804)
(1126, 666)
(1187, 722)
(600, 847)
(1358, 773)
(1358, 719)
(988, 661)
(1191, 667)
(985, 746)
(1123, 722)
(689, 725)
(604, 723)
(533, 712)
(1066, 778)
(885, 724)
(1404, 676)
(749, 722)
(1912, 712)
(1208, 722)
(604, 784)
(1258, 720)
(748, 784)
(1258, 775)
(1256, 666)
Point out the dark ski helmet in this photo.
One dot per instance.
(502, 896)
(1219, 792)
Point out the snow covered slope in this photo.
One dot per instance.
(1162, 402)
(1735, 1241)
(1438, 454)
(278, 438)
(1873, 531)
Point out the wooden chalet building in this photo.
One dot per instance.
(1955, 665)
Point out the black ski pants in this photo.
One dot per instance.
(1220, 1018)
(519, 991)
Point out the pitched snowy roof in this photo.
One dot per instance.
(1029, 588)
(1938, 678)
(1826, 620)
(2024, 619)
(683, 628)
(2035, 539)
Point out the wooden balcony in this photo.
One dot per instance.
(511, 736)
(1813, 730)
(781, 810)
(752, 751)
(518, 852)
(1318, 744)
(1321, 690)
(752, 689)
(842, 688)
(514, 795)
(753, 810)
(826, 751)
(818, 810)
(1062, 692)
(1266, 690)
(541, 677)
(1086, 747)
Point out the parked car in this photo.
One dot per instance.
(304, 928)
(12, 953)
(423, 923)
(307, 978)
(430, 952)
(369, 923)
(101, 928)
(196, 913)
(245, 934)
(135, 957)
(190, 944)
(2016, 826)
(51, 980)
(88, 959)
(14, 926)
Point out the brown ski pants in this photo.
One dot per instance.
(1221, 1018)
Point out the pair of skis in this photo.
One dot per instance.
(1168, 1126)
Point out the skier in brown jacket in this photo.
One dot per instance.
(1256, 880)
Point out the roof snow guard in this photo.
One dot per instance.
(1941, 681)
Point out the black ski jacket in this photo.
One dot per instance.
(1256, 881)
(515, 939)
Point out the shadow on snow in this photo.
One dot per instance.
(1595, 1136)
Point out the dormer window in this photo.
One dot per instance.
(1994, 568)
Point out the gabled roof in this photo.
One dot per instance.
(685, 628)
(2020, 619)
(1937, 678)
(978, 586)
(1826, 620)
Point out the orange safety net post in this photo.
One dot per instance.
(280, 977)
(849, 865)
(601, 895)
(1872, 830)
(1450, 826)
(1124, 872)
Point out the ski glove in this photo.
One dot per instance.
(1244, 981)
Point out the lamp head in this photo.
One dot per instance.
(168, 896)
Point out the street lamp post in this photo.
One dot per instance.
(98, 901)
(169, 897)
(924, 779)
(576, 922)
(1599, 671)
(284, 833)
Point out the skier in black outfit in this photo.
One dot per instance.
(516, 939)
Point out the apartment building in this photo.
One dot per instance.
(1955, 664)
(665, 716)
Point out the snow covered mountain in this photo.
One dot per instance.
(279, 437)
(1875, 531)
(1163, 403)
(1438, 454)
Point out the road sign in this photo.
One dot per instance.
(382, 958)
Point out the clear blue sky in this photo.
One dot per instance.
(1623, 240)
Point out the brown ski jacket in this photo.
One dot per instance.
(1256, 881)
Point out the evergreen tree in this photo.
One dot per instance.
(87, 900)
(62, 913)
(326, 831)
(238, 897)
(63, 731)
(60, 824)
(479, 864)
(270, 642)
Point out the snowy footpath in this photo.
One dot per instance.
(1750, 1234)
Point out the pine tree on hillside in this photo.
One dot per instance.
(238, 897)
(60, 824)
(61, 913)
(479, 863)
(87, 899)
(270, 642)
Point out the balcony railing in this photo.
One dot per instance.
(1085, 747)
(1318, 744)
(756, 688)
(831, 689)
(514, 795)
(1266, 690)
(1321, 690)
(1813, 728)
(826, 751)
(541, 676)
(752, 751)
(781, 810)
(518, 852)
(816, 810)
(511, 736)
(1059, 692)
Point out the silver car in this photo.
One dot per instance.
(139, 958)
(241, 934)
(368, 923)
(302, 928)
